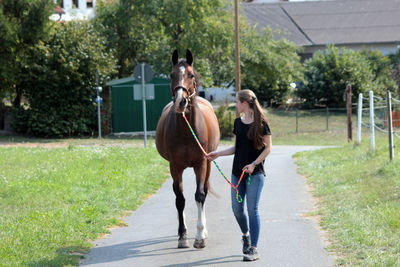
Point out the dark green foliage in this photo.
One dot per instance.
(381, 70)
(395, 72)
(395, 59)
(60, 82)
(328, 73)
(148, 31)
(132, 29)
(226, 118)
(23, 24)
(269, 66)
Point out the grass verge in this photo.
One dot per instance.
(359, 193)
(54, 201)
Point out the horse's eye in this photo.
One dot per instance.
(190, 75)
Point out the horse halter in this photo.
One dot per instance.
(186, 90)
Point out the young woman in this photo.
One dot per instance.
(252, 145)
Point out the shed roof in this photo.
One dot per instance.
(131, 80)
(325, 22)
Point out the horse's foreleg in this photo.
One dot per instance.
(180, 206)
(202, 174)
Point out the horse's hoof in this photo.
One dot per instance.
(183, 243)
(199, 243)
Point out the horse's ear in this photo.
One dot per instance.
(189, 57)
(175, 57)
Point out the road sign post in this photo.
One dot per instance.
(144, 106)
(98, 90)
(144, 74)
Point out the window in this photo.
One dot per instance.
(75, 3)
(89, 3)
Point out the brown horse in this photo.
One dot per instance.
(176, 143)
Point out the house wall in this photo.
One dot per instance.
(385, 49)
(221, 94)
(71, 13)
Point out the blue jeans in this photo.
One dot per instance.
(252, 193)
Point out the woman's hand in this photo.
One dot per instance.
(212, 155)
(249, 168)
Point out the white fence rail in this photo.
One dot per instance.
(379, 111)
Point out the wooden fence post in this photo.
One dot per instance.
(327, 118)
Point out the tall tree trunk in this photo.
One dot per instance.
(17, 99)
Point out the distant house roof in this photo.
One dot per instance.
(325, 22)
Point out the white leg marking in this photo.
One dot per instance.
(184, 221)
(201, 222)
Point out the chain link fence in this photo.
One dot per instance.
(308, 121)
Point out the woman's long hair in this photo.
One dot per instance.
(256, 129)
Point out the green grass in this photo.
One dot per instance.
(57, 199)
(53, 201)
(107, 140)
(312, 129)
(359, 194)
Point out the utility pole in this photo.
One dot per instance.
(237, 82)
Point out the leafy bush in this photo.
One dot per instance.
(381, 70)
(21, 116)
(59, 83)
(269, 66)
(328, 73)
(226, 118)
(395, 72)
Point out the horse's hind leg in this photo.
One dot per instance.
(180, 206)
(202, 174)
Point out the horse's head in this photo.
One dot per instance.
(184, 80)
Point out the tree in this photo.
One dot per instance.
(328, 73)
(23, 24)
(381, 67)
(268, 66)
(60, 82)
(395, 72)
(207, 28)
(149, 30)
(132, 30)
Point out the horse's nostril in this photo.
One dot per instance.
(183, 102)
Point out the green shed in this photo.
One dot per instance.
(127, 107)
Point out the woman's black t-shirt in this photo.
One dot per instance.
(245, 152)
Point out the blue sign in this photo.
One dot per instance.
(101, 100)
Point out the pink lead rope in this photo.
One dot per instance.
(238, 197)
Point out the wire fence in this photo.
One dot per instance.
(380, 114)
(308, 121)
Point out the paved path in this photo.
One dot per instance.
(288, 238)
